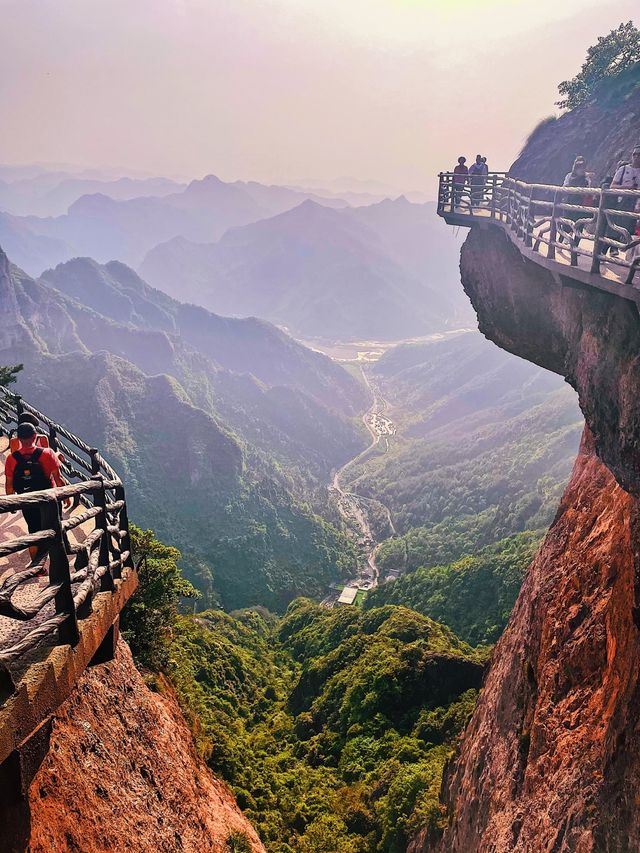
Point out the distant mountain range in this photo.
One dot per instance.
(52, 193)
(226, 430)
(109, 228)
(386, 271)
(309, 263)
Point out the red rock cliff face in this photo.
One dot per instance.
(551, 758)
(122, 774)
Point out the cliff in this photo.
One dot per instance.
(122, 774)
(550, 760)
(604, 130)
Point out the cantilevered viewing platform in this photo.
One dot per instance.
(584, 234)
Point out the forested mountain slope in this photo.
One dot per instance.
(485, 445)
(215, 461)
(243, 346)
(331, 726)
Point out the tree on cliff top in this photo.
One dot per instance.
(613, 53)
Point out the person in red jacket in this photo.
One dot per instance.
(29, 469)
(460, 177)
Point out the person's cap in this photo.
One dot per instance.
(26, 430)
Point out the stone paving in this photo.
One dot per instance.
(12, 525)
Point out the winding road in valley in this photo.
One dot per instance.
(352, 506)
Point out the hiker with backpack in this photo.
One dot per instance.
(29, 469)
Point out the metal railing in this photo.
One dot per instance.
(79, 566)
(599, 224)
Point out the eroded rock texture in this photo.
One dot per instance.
(590, 337)
(122, 775)
(551, 759)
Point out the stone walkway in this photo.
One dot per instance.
(610, 272)
(12, 525)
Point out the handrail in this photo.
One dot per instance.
(78, 567)
(548, 218)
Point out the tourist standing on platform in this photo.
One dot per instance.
(460, 174)
(30, 469)
(477, 176)
(577, 177)
(627, 177)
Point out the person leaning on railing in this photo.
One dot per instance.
(29, 469)
(627, 177)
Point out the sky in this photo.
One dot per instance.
(286, 90)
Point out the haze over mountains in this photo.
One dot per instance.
(107, 228)
(308, 262)
(357, 273)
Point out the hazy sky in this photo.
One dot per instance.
(276, 90)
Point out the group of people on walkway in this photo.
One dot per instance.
(475, 176)
(626, 176)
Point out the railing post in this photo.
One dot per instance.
(528, 225)
(53, 438)
(59, 574)
(601, 227)
(493, 196)
(124, 526)
(553, 233)
(100, 500)
(440, 194)
(19, 406)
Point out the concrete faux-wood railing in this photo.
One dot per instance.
(570, 231)
(53, 627)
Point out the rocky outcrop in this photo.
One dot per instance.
(590, 337)
(122, 774)
(603, 130)
(551, 760)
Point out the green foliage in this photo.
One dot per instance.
(150, 617)
(238, 842)
(332, 726)
(484, 448)
(9, 374)
(473, 596)
(613, 53)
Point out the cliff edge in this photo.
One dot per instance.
(551, 758)
(122, 774)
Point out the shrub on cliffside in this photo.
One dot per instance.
(149, 618)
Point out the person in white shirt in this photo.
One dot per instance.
(627, 177)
